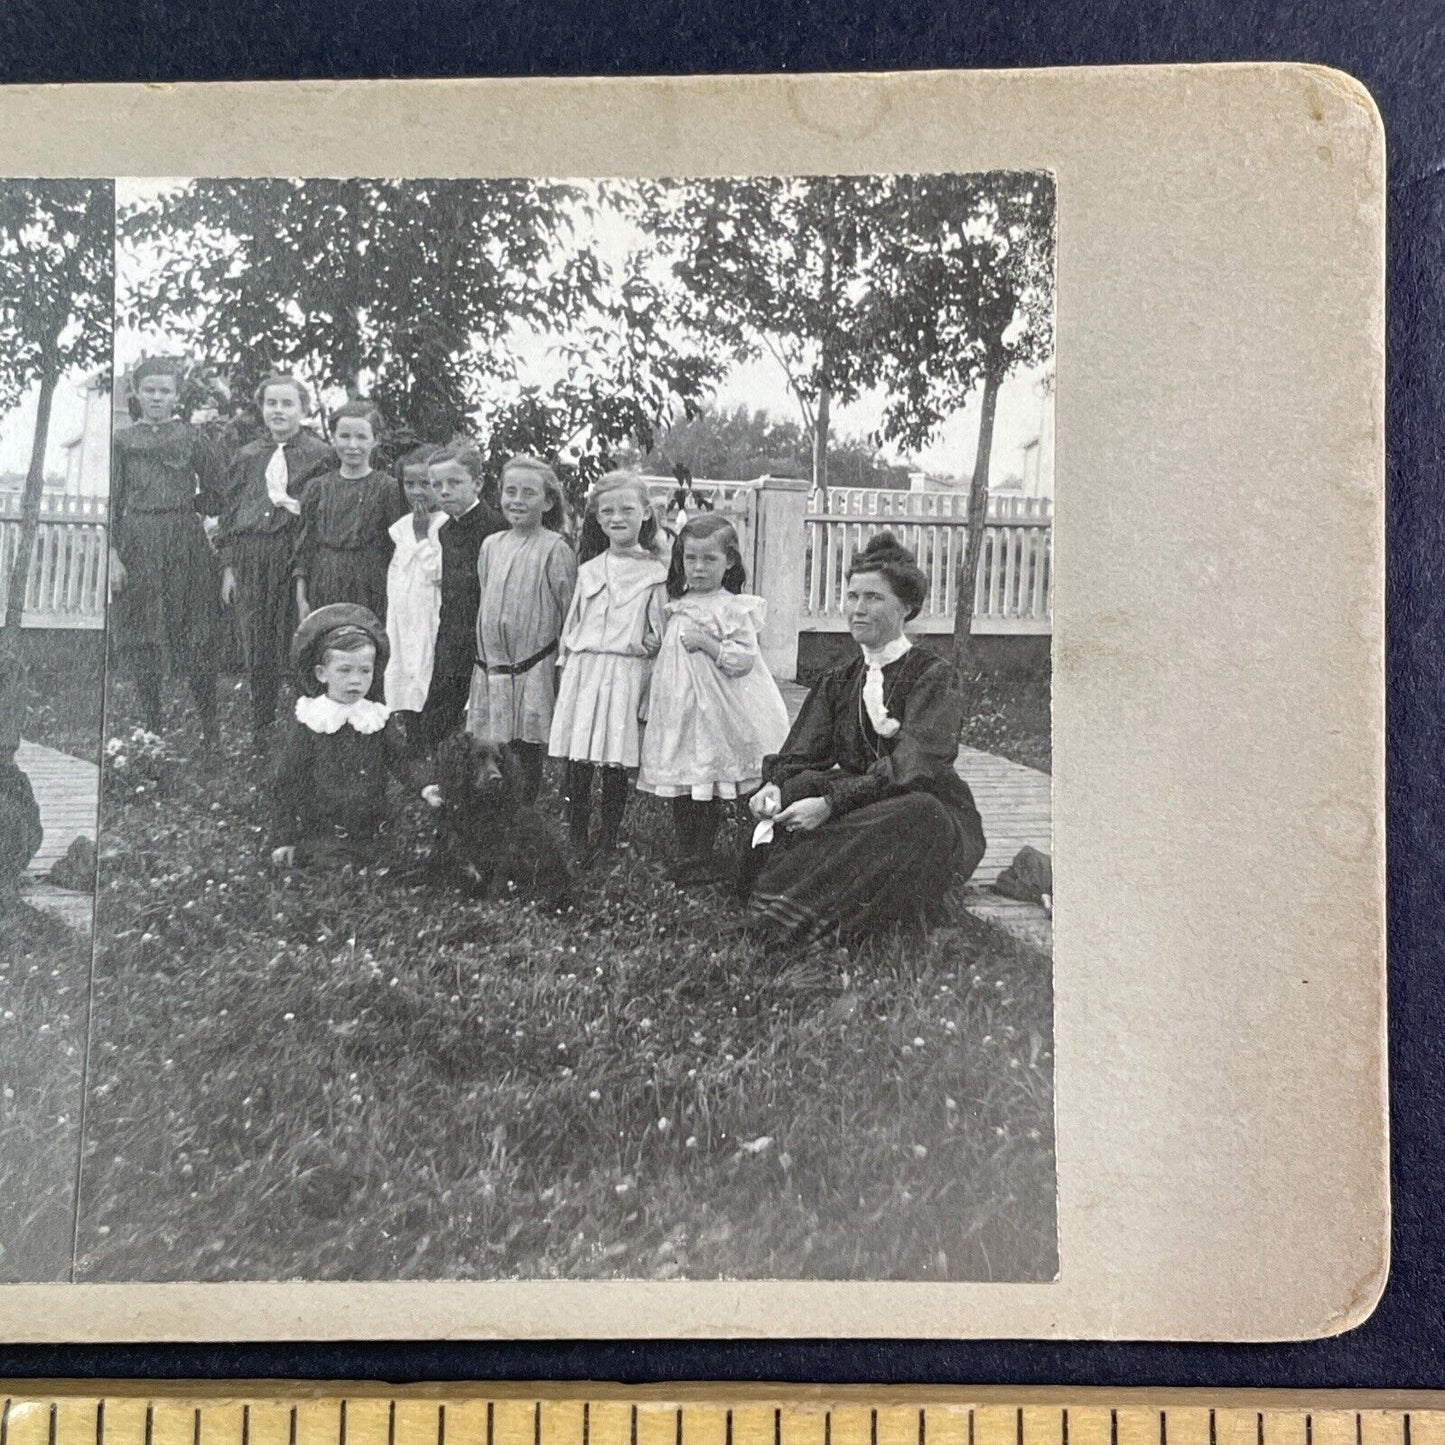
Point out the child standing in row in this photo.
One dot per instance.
(715, 711)
(164, 477)
(413, 586)
(611, 634)
(343, 540)
(257, 535)
(456, 472)
(527, 575)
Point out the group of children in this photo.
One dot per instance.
(416, 599)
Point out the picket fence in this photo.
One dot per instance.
(797, 546)
(66, 583)
(1013, 590)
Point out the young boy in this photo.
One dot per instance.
(257, 533)
(330, 800)
(457, 472)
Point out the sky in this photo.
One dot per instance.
(760, 384)
(17, 429)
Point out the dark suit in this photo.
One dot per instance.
(461, 540)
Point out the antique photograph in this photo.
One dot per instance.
(575, 773)
(56, 265)
(538, 623)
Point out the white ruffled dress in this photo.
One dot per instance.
(710, 724)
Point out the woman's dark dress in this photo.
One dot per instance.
(343, 544)
(164, 478)
(256, 540)
(330, 800)
(904, 827)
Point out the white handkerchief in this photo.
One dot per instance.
(763, 833)
(276, 479)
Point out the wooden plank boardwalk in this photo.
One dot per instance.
(68, 792)
(1016, 805)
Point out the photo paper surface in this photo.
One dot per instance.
(536, 691)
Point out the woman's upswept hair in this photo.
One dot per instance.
(698, 529)
(888, 557)
(364, 410)
(465, 453)
(284, 378)
(556, 517)
(593, 542)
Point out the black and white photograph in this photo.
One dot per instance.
(575, 771)
(56, 266)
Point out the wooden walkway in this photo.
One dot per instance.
(68, 792)
(1016, 805)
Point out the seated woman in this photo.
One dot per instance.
(871, 823)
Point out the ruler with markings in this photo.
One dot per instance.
(250, 1413)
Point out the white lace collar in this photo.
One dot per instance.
(890, 652)
(322, 715)
(877, 658)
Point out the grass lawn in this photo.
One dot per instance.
(65, 684)
(359, 1077)
(44, 974)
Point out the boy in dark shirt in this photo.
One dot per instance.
(456, 472)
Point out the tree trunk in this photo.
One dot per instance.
(30, 507)
(977, 517)
(820, 441)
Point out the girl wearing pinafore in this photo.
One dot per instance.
(715, 711)
(414, 587)
(527, 576)
(611, 634)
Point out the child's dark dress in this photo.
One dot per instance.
(164, 477)
(256, 540)
(330, 801)
(343, 542)
(904, 827)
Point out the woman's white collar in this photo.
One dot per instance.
(322, 715)
(889, 652)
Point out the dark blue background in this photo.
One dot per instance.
(1398, 49)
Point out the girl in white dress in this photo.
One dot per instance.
(715, 711)
(413, 588)
(610, 636)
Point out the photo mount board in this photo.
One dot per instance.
(1218, 664)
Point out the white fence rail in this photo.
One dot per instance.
(66, 583)
(801, 569)
(1013, 591)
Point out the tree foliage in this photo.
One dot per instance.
(55, 280)
(962, 293)
(740, 444)
(56, 269)
(414, 293)
(963, 296)
(780, 266)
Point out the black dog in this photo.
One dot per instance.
(487, 837)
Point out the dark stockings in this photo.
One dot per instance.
(529, 759)
(203, 692)
(696, 823)
(265, 685)
(579, 803)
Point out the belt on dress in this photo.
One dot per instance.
(514, 669)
